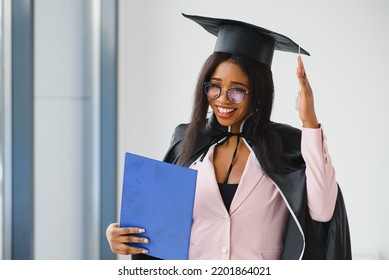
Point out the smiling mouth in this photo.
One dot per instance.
(225, 111)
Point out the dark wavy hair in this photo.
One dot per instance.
(266, 143)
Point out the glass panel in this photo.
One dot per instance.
(2, 123)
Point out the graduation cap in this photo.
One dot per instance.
(245, 39)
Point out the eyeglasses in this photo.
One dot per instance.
(234, 95)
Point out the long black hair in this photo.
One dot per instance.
(266, 143)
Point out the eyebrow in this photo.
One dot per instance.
(232, 82)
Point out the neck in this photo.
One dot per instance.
(234, 129)
(237, 127)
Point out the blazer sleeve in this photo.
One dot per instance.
(322, 188)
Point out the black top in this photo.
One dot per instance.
(227, 192)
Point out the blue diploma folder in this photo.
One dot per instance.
(159, 197)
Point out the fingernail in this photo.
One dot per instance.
(145, 240)
(141, 230)
(144, 251)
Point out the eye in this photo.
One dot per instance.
(214, 86)
(212, 90)
(210, 85)
(237, 90)
(236, 95)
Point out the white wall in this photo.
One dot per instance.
(161, 53)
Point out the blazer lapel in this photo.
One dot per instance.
(252, 174)
(208, 178)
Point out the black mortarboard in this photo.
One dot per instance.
(245, 39)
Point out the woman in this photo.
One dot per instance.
(264, 190)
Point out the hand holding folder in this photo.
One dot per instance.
(159, 197)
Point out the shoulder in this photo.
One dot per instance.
(174, 151)
(286, 130)
(179, 132)
(209, 131)
(290, 136)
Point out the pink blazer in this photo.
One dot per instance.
(255, 225)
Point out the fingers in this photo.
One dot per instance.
(131, 230)
(302, 77)
(306, 108)
(301, 74)
(119, 238)
(115, 230)
(124, 249)
(131, 239)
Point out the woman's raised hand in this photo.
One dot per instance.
(307, 108)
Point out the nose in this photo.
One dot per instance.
(223, 95)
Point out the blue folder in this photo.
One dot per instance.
(159, 197)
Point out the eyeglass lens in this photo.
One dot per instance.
(234, 95)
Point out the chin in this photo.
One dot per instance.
(225, 122)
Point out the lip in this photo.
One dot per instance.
(225, 112)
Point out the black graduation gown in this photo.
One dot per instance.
(323, 240)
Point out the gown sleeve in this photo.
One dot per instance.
(322, 188)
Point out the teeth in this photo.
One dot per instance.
(224, 110)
